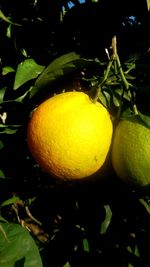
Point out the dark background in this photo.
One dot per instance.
(73, 212)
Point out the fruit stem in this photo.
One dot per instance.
(126, 84)
(115, 60)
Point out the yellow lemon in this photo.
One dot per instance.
(131, 151)
(69, 136)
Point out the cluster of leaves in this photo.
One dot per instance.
(43, 222)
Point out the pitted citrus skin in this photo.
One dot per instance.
(69, 136)
(131, 152)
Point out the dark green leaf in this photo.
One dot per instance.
(26, 71)
(1, 144)
(104, 97)
(60, 67)
(126, 112)
(120, 94)
(22, 97)
(2, 93)
(2, 219)
(16, 244)
(145, 204)
(2, 176)
(145, 119)
(55, 70)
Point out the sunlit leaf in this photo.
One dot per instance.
(24, 52)
(67, 264)
(26, 71)
(3, 17)
(7, 69)
(9, 31)
(2, 125)
(86, 245)
(116, 101)
(10, 201)
(105, 224)
(134, 250)
(130, 265)
(80, 227)
(148, 5)
(8, 129)
(16, 245)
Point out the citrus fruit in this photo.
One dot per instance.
(69, 136)
(131, 151)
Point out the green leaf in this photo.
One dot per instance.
(145, 119)
(130, 265)
(148, 5)
(120, 94)
(9, 31)
(3, 17)
(8, 129)
(67, 264)
(134, 250)
(85, 245)
(2, 93)
(1, 144)
(2, 175)
(2, 219)
(104, 97)
(55, 70)
(10, 201)
(145, 204)
(26, 71)
(16, 245)
(116, 100)
(105, 224)
(7, 69)
(60, 67)
(22, 97)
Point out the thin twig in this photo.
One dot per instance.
(126, 84)
(31, 216)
